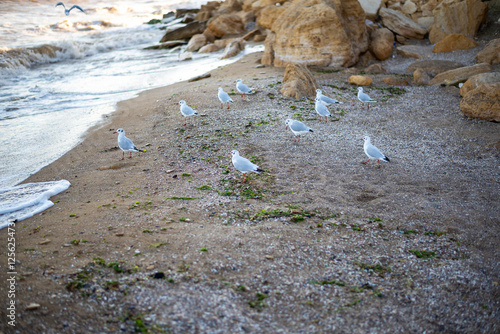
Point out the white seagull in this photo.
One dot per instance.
(325, 99)
(297, 128)
(125, 144)
(187, 111)
(66, 11)
(224, 98)
(373, 153)
(243, 165)
(321, 109)
(363, 97)
(242, 88)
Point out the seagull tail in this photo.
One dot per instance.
(386, 159)
(310, 130)
(258, 170)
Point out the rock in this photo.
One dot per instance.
(429, 6)
(209, 48)
(381, 43)
(366, 59)
(233, 48)
(181, 12)
(371, 8)
(319, 32)
(360, 80)
(32, 306)
(477, 80)
(166, 45)
(229, 6)
(248, 18)
(185, 56)
(409, 7)
(410, 51)
(401, 25)
(375, 68)
(483, 102)
(395, 81)
(190, 17)
(200, 77)
(434, 67)
(457, 17)
(268, 56)
(196, 42)
(207, 10)
(268, 15)
(490, 53)
(426, 21)
(44, 242)
(458, 75)
(226, 24)
(298, 82)
(250, 34)
(185, 32)
(421, 77)
(454, 42)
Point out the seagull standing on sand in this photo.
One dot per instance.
(125, 144)
(321, 109)
(242, 88)
(66, 11)
(363, 97)
(297, 128)
(325, 99)
(243, 165)
(187, 111)
(373, 153)
(224, 98)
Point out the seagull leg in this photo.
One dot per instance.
(221, 105)
(378, 163)
(298, 139)
(123, 156)
(366, 161)
(228, 105)
(130, 157)
(244, 179)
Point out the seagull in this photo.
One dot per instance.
(321, 109)
(242, 88)
(373, 153)
(224, 98)
(297, 128)
(66, 11)
(325, 99)
(125, 144)
(243, 165)
(364, 97)
(187, 111)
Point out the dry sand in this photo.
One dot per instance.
(172, 240)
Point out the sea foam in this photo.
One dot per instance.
(25, 200)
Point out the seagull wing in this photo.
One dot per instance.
(322, 109)
(374, 153)
(77, 7)
(244, 165)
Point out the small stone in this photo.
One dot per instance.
(120, 234)
(269, 257)
(360, 80)
(32, 306)
(44, 242)
(151, 267)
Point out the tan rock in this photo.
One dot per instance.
(298, 82)
(401, 25)
(320, 32)
(233, 48)
(229, 6)
(366, 59)
(457, 17)
(421, 77)
(207, 10)
(395, 81)
(375, 68)
(246, 17)
(360, 80)
(268, 56)
(268, 15)
(226, 24)
(259, 38)
(209, 48)
(426, 21)
(478, 80)
(490, 53)
(434, 67)
(483, 102)
(458, 75)
(196, 42)
(185, 32)
(410, 51)
(429, 6)
(454, 42)
(409, 7)
(222, 43)
(381, 43)
(371, 8)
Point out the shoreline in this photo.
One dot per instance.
(293, 245)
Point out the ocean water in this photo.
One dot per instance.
(59, 75)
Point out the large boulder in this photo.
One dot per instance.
(319, 32)
(196, 42)
(382, 43)
(298, 82)
(458, 75)
(490, 53)
(478, 80)
(226, 24)
(457, 17)
(483, 102)
(401, 24)
(234, 47)
(434, 67)
(186, 32)
(268, 15)
(207, 11)
(454, 42)
(371, 8)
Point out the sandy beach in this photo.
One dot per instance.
(171, 240)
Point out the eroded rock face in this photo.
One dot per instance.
(457, 17)
(490, 53)
(382, 43)
(298, 82)
(401, 24)
(483, 102)
(268, 15)
(319, 32)
(454, 42)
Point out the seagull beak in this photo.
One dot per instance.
(286, 127)
(115, 132)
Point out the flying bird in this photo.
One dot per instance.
(224, 98)
(187, 111)
(297, 127)
(66, 11)
(321, 109)
(242, 88)
(243, 165)
(325, 99)
(363, 97)
(373, 153)
(125, 144)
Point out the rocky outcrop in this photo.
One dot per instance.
(318, 32)
(454, 42)
(226, 24)
(298, 82)
(185, 32)
(268, 15)
(483, 102)
(457, 17)
(382, 43)
(490, 53)
(401, 24)
(458, 75)
(478, 80)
